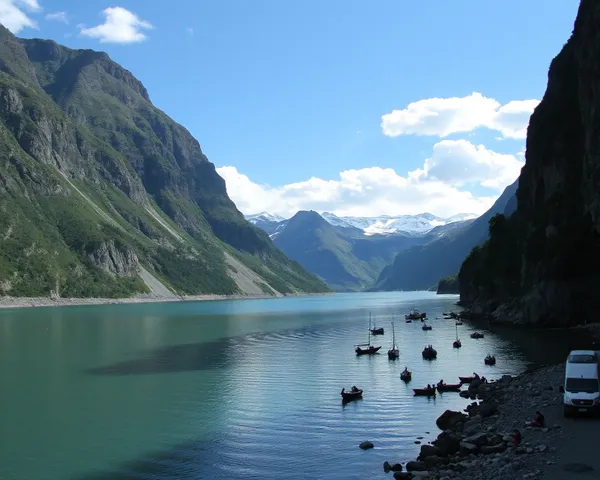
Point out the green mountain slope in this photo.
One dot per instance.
(344, 258)
(102, 194)
(421, 267)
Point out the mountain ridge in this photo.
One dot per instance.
(99, 186)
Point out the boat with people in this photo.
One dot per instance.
(429, 353)
(448, 387)
(369, 350)
(353, 394)
(428, 391)
(393, 353)
(426, 327)
(415, 314)
(406, 375)
(458, 322)
(469, 379)
(477, 335)
(490, 360)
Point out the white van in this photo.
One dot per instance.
(582, 383)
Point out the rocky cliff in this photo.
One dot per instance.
(100, 191)
(542, 264)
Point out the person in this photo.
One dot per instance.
(475, 376)
(516, 438)
(405, 369)
(428, 387)
(441, 382)
(354, 389)
(343, 390)
(538, 420)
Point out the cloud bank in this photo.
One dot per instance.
(434, 188)
(120, 26)
(446, 116)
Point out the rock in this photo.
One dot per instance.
(467, 448)
(417, 442)
(487, 409)
(396, 467)
(416, 466)
(403, 475)
(449, 419)
(366, 445)
(577, 468)
(479, 439)
(542, 448)
(498, 448)
(447, 444)
(428, 451)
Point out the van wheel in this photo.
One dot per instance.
(567, 413)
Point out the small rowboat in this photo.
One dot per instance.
(490, 360)
(349, 396)
(406, 376)
(466, 379)
(377, 331)
(426, 327)
(456, 344)
(449, 387)
(424, 392)
(477, 335)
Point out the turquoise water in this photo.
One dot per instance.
(226, 389)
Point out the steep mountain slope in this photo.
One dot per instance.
(422, 267)
(102, 194)
(542, 265)
(344, 258)
(271, 224)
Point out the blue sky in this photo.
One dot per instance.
(285, 96)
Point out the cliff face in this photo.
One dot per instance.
(100, 190)
(542, 265)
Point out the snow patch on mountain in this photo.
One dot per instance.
(264, 217)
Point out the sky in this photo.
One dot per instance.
(352, 107)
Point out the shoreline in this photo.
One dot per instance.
(7, 302)
(476, 443)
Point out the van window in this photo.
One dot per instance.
(588, 385)
(579, 358)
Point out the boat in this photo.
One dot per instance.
(490, 360)
(370, 350)
(406, 375)
(468, 379)
(429, 353)
(477, 335)
(426, 327)
(457, 343)
(424, 392)
(375, 330)
(448, 387)
(459, 322)
(415, 314)
(393, 353)
(351, 395)
(409, 321)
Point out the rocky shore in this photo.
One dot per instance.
(477, 443)
(29, 302)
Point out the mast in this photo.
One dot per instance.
(393, 335)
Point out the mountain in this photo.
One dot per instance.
(542, 264)
(344, 257)
(102, 194)
(382, 225)
(271, 224)
(421, 267)
(449, 285)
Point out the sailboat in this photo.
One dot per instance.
(370, 350)
(374, 330)
(456, 343)
(393, 353)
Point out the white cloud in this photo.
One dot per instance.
(58, 17)
(445, 116)
(120, 26)
(435, 188)
(13, 16)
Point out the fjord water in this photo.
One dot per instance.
(230, 389)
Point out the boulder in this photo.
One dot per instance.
(487, 409)
(447, 444)
(396, 467)
(479, 439)
(403, 475)
(416, 466)
(428, 451)
(467, 448)
(366, 445)
(449, 419)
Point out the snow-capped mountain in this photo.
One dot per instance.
(386, 224)
(383, 225)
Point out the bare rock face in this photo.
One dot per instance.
(542, 265)
(114, 260)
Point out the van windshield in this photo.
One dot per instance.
(587, 385)
(583, 358)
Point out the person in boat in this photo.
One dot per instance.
(538, 420)
(475, 376)
(354, 389)
(343, 390)
(441, 383)
(406, 371)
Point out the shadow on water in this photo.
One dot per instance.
(177, 358)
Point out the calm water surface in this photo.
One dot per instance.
(231, 389)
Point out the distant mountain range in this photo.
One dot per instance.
(382, 225)
(349, 253)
